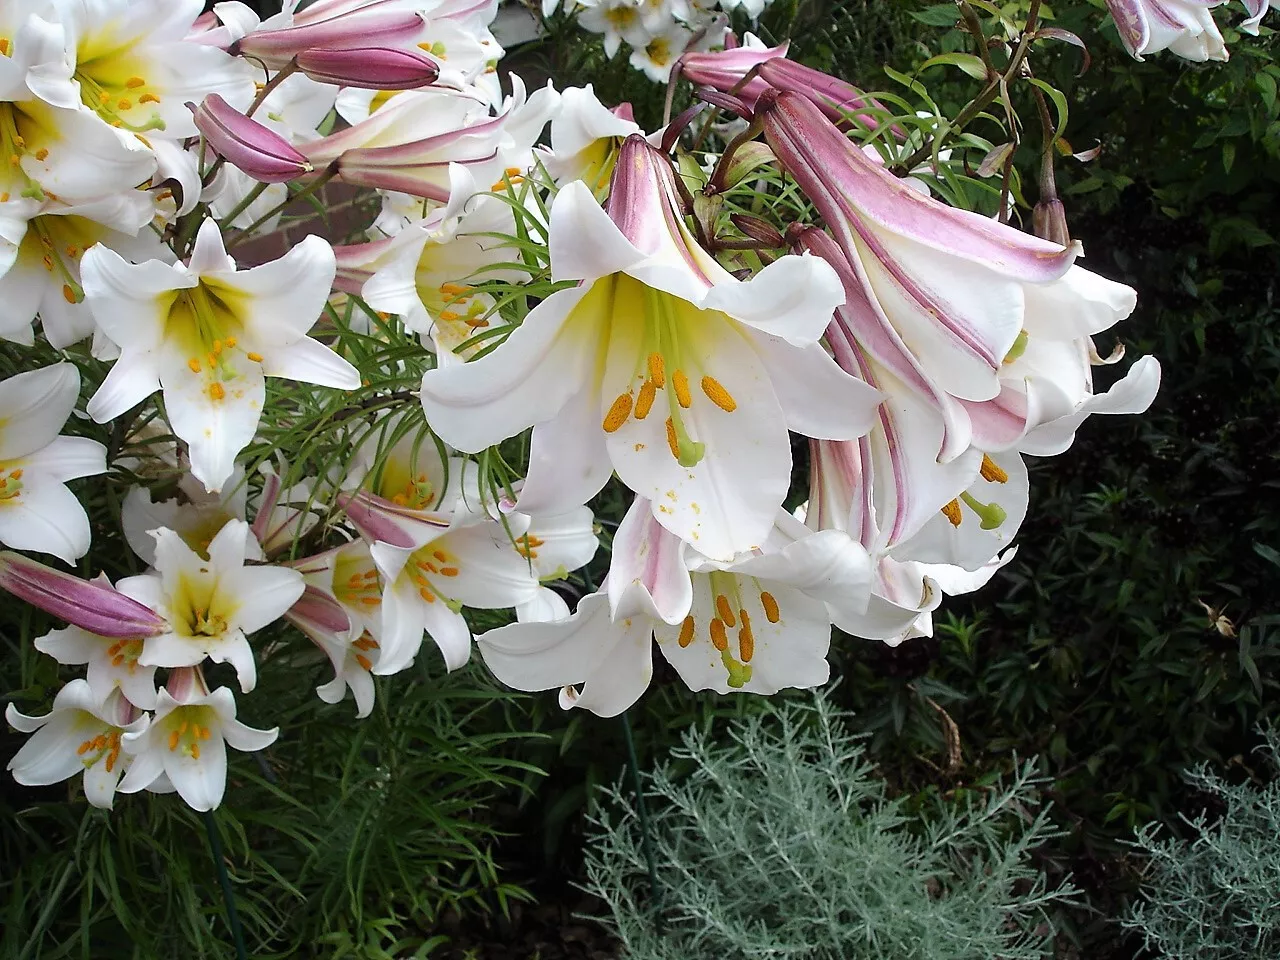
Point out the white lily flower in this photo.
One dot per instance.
(129, 61)
(210, 605)
(659, 53)
(207, 335)
(44, 275)
(659, 365)
(37, 511)
(353, 664)
(197, 518)
(555, 546)
(82, 733)
(758, 624)
(585, 139)
(619, 21)
(186, 743)
(66, 152)
(332, 614)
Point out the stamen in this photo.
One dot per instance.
(195, 751)
(125, 103)
(645, 403)
(992, 472)
(133, 83)
(173, 740)
(681, 383)
(658, 370)
(770, 606)
(448, 571)
(448, 316)
(364, 661)
(746, 642)
(723, 608)
(68, 294)
(686, 632)
(148, 98)
(618, 413)
(194, 364)
(718, 395)
(718, 638)
(84, 747)
(254, 357)
(4, 46)
(952, 512)
(42, 154)
(427, 595)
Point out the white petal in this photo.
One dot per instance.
(248, 739)
(201, 783)
(1082, 303)
(450, 633)
(215, 430)
(132, 379)
(71, 645)
(647, 575)
(309, 361)
(69, 458)
(100, 783)
(261, 594)
(568, 460)
(819, 399)
(526, 380)
(127, 299)
(1134, 393)
(283, 299)
(546, 607)
(544, 656)
(584, 243)
(49, 756)
(403, 624)
(46, 517)
(792, 298)
(33, 407)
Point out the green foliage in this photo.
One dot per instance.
(1215, 895)
(776, 838)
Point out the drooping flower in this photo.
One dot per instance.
(658, 365)
(758, 624)
(83, 733)
(37, 511)
(1184, 27)
(112, 662)
(207, 335)
(331, 26)
(187, 741)
(210, 605)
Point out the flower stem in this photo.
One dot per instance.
(228, 895)
(642, 811)
(324, 177)
(242, 206)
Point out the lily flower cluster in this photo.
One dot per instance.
(573, 325)
(657, 31)
(1183, 27)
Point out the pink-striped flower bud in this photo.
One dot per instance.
(373, 68)
(89, 604)
(246, 144)
(359, 28)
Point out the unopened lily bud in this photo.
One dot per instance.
(759, 230)
(1049, 221)
(90, 605)
(373, 68)
(246, 144)
(381, 27)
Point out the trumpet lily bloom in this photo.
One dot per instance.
(658, 365)
(209, 605)
(187, 739)
(112, 663)
(1257, 10)
(585, 139)
(1184, 27)
(37, 511)
(207, 335)
(759, 624)
(81, 734)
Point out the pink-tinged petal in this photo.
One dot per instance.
(383, 521)
(647, 574)
(87, 604)
(1132, 394)
(376, 27)
(585, 244)
(316, 610)
(374, 68)
(246, 144)
(845, 184)
(724, 70)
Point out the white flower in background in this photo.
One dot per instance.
(41, 243)
(554, 546)
(332, 615)
(210, 604)
(186, 742)
(585, 139)
(207, 335)
(37, 511)
(348, 576)
(657, 55)
(619, 21)
(83, 733)
(1184, 27)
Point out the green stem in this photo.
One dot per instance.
(228, 895)
(242, 206)
(642, 811)
(328, 174)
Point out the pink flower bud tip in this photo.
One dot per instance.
(246, 144)
(90, 605)
(374, 68)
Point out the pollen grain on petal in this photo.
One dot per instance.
(718, 395)
(618, 413)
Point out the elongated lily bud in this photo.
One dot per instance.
(246, 144)
(1049, 219)
(373, 68)
(360, 28)
(89, 605)
(317, 613)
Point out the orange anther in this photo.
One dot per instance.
(618, 413)
(952, 512)
(723, 608)
(992, 472)
(770, 607)
(681, 383)
(658, 370)
(718, 395)
(718, 638)
(686, 632)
